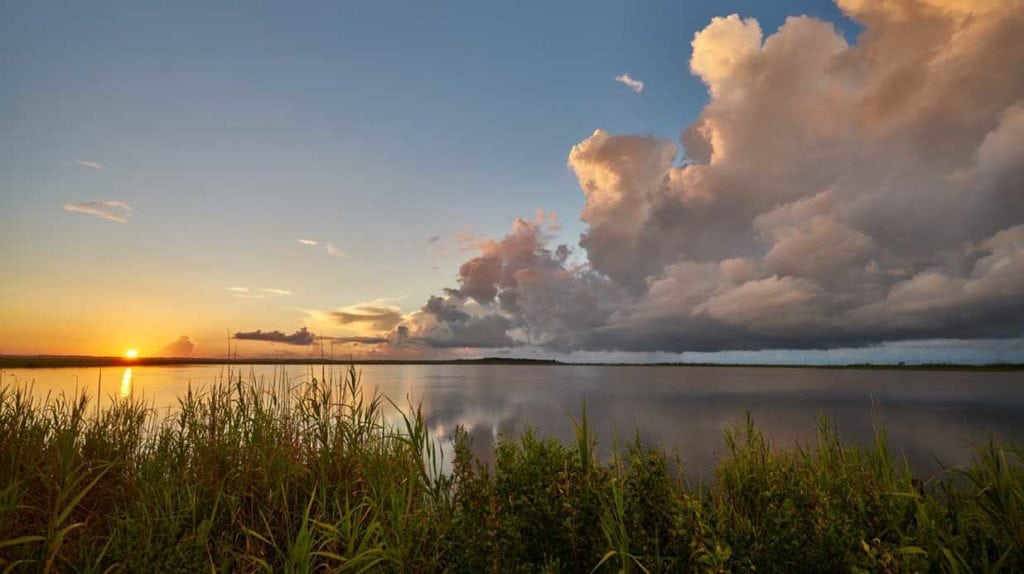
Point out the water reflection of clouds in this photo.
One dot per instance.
(928, 415)
(932, 418)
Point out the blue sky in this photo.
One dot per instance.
(234, 131)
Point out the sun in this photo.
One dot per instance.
(131, 354)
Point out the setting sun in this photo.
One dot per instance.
(131, 354)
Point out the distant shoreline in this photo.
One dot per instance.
(78, 361)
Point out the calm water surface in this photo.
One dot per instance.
(933, 417)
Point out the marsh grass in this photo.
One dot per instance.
(251, 476)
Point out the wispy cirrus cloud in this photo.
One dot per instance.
(334, 251)
(239, 292)
(630, 82)
(330, 248)
(242, 292)
(111, 210)
(91, 164)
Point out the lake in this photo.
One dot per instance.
(933, 417)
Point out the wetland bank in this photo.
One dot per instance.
(486, 468)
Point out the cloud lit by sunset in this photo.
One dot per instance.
(849, 178)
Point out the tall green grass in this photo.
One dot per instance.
(253, 476)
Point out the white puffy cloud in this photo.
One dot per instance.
(723, 46)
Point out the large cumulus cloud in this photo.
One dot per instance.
(517, 291)
(831, 194)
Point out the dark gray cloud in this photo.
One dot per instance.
(444, 322)
(832, 195)
(357, 340)
(300, 337)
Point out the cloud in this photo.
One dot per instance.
(368, 316)
(358, 340)
(91, 164)
(722, 48)
(515, 292)
(183, 346)
(247, 293)
(444, 323)
(334, 251)
(113, 210)
(635, 85)
(329, 247)
(300, 337)
(831, 195)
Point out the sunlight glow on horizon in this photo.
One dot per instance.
(131, 354)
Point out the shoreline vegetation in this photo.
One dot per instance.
(87, 361)
(260, 476)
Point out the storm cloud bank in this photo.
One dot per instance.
(831, 195)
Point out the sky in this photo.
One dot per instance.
(630, 181)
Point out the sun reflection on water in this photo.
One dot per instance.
(126, 384)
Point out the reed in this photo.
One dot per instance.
(254, 475)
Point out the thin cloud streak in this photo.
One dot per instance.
(301, 337)
(636, 85)
(91, 164)
(356, 340)
(329, 247)
(276, 291)
(110, 210)
(334, 251)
